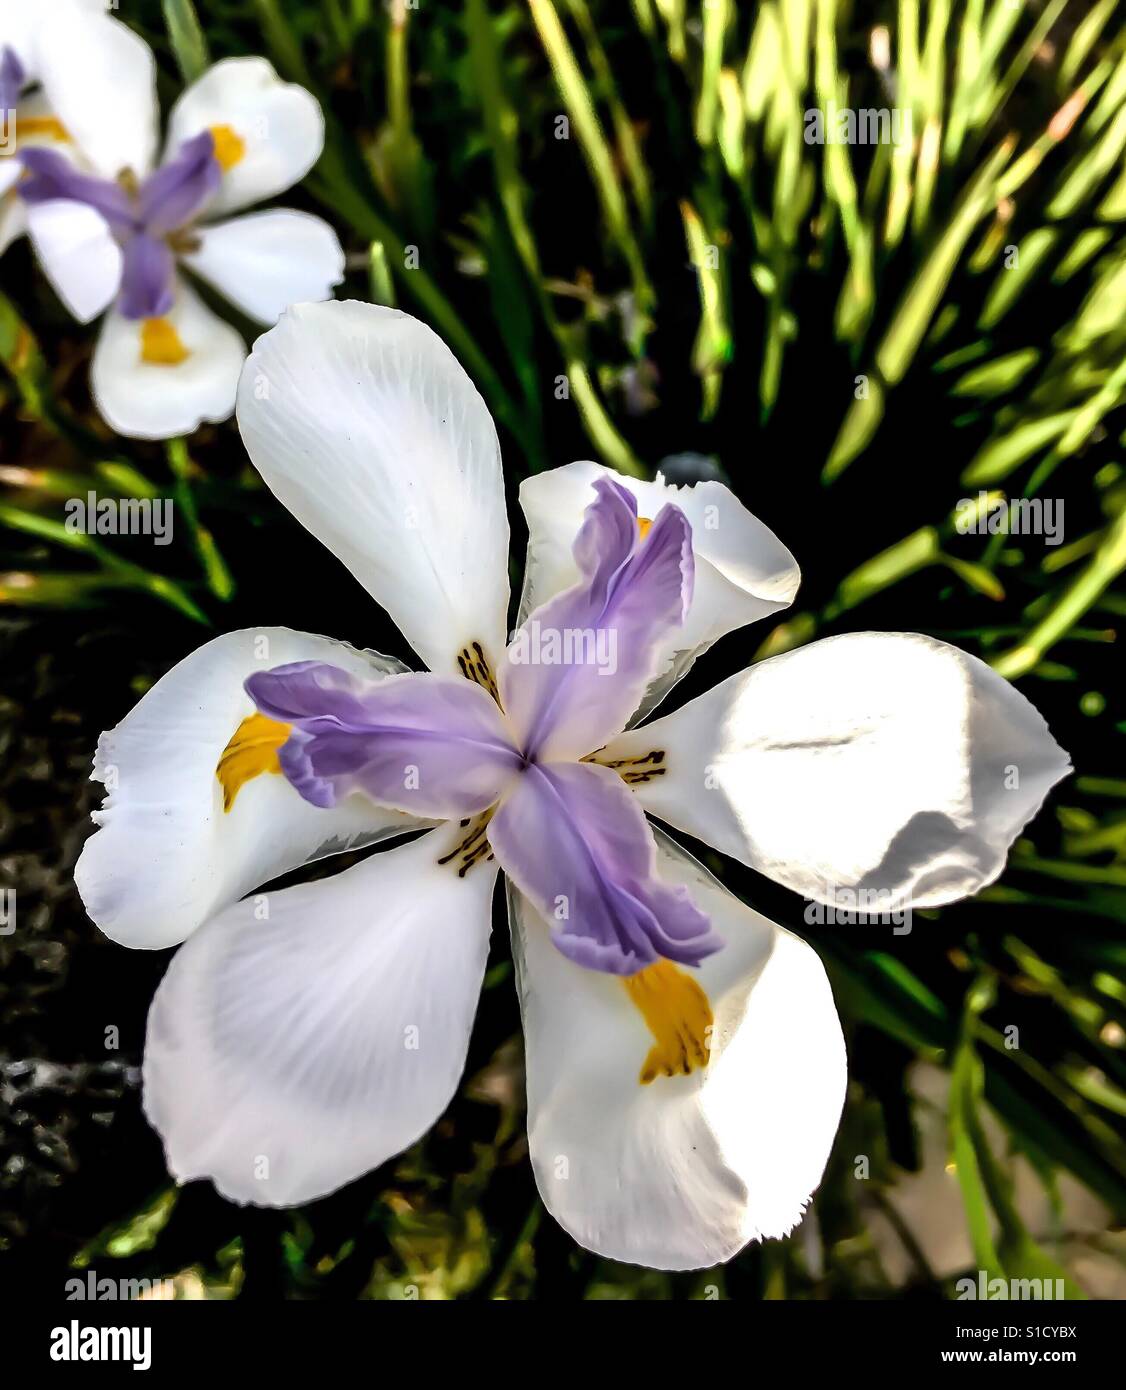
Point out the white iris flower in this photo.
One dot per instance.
(685, 1064)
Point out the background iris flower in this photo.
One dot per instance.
(42, 87)
(112, 242)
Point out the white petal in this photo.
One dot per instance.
(23, 26)
(682, 1172)
(364, 424)
(73, 243)
(743, 571)
(287, 1056)
(167, 855)
(100, 80)
(279, 123)
(887, 763)
(17, 32)
(269, 260)
(147, 400)
(78, 254)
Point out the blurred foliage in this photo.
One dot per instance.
(611, 213)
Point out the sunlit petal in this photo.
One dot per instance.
(363, 423)
(882, 763)
(298, 1042)
(682, 1172)
(168, 855)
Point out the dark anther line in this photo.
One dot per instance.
(474, 667)
(472, 848)
(637, 770)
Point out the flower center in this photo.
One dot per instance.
(571, 839)
(150, 218)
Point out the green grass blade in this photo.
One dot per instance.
(189, 47)
(916, 309)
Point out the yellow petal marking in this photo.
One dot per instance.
(161, 345)
(229, 146)
(253, 749)
(676, 1011)
(45, 127)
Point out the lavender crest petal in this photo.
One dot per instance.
(51, 175)
(171, 196)
(578, 667)
(607, 537)
(146, 278)
(433, 746)
(12, 79)
(574, 841)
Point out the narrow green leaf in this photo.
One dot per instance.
(1084, 38)
(189, 46)
(381, 285)
(1003, 454)
(923, 295)
(581, 110)
(858, 428)
(1015, 275)
(1105, 566)
(965, 1088)
(906, 557)
(998, 376)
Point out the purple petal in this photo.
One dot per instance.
(171, 197)
(577, 669)
(574, 841)
(146, 278)
(433, 746)
(52, 176)
(12, 79)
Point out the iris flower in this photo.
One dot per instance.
(41, 82)
(113, 239)
(685, 1064)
